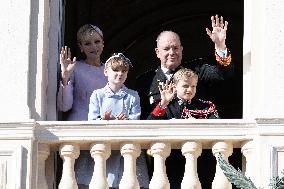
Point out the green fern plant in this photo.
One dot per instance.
(237, 178)
(277, 182)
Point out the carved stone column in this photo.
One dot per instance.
(68, 152)
(191, 151)
(129, 178)
(248, 150)
(43, 153)
(220, 180)
(100, 152)
(160, 151)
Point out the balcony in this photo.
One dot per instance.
(28, 150)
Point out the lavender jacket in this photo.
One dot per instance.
(75, 96)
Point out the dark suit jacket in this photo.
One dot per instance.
(208, 75)
(200, 109)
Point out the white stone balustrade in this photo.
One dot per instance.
(43, 153)
(129, 151)
(191, 151)
(226, 149)
(68, 152)
(160, 151)
(68, 137)
(100, 152)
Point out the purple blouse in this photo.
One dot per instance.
(75, 96)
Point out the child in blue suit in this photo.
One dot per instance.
(116, 101)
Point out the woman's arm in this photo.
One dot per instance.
(65, 95)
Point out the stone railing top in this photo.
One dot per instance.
(23, 130)
(145, 131)
(142, 131)
(270, 126)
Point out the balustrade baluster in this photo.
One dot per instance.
(129, 178)
(160, 151)
(68, 152)
(43, 153)
(100, 152)
(220, 180)
(248, 152)
(191, 151)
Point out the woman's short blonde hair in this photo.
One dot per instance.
(183, 74)
(87, 30)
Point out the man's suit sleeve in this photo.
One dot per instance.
(142, 86)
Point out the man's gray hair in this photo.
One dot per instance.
(166, 32)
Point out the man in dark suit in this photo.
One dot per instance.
(169, 51)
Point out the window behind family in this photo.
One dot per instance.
(132, 27)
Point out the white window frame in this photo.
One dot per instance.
(56, 38)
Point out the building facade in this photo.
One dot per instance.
(30, 133)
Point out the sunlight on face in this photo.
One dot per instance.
(117, 76)
(92, 45)
(186, 88)
(169, 50)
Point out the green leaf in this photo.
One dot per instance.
(233, 175)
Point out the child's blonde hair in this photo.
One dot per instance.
(118, 62)
(184, 73)
(87, 30)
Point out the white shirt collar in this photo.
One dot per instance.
(166, 72)
(120, 93)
